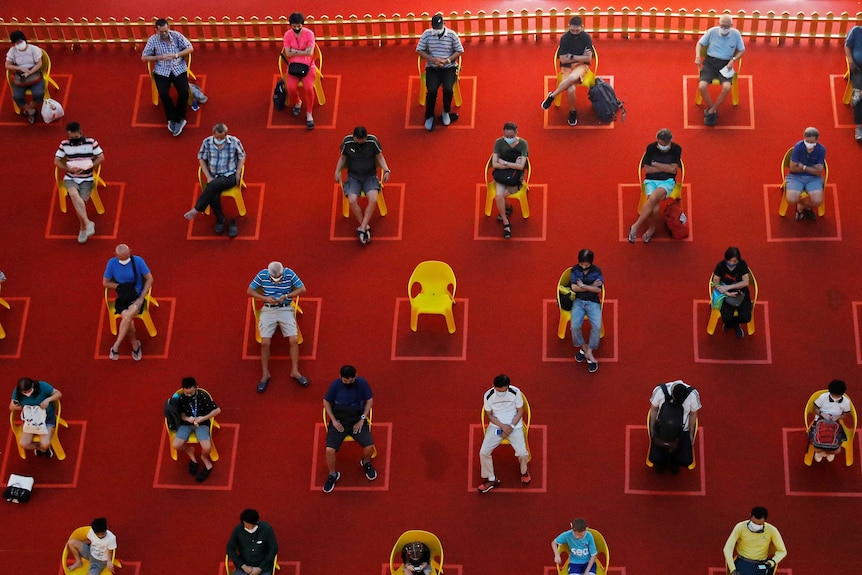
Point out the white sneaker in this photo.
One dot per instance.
(91, 229)
(446, 119)
(858, 133)
(178, 127)
(818, 457)
(429, 124)
(830, 457)
(82, 237)
(857, 95)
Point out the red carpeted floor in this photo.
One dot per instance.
(588, 441)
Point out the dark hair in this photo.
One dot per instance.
(837, 387)
(296, 18)
(586, 255)
(579, 524)
(576, 21)
(249, 516)
(99, 525)
(73, 127)
(360, 132)
(679, 392)
(26, 384)
(348, 371)
(17, 36)
(510, 126)
(161, 22)
(732, 252)
(502, 380)
(759, 513)
(189, 382)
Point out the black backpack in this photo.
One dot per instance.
(605, 102)
(279, 96)
(668, 428)
(172, 413)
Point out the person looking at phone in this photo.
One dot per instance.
(730, 279)
(32, 395)
(504, 409)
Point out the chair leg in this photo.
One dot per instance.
(489, 199)
(734, 91)
(848, 92)
(381, 204)
(97, 201)
(240, 203)
(148, 323)
(59, 452)
(698, 97)
(450, 320)
(565, 317)
(456, 93)
(751, 323)
(848, 450)
(525, 203)
(214, 456)
(414, 318)
(61, 189)
(782, 207)
(423, 89)
(154, 92)
(714, 315)
(345, 206)
(318, 89)
(2, 332)
(299, 338)
(809, 455)
(559, 99)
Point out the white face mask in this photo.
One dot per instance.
(663, 148)
(251, 530)
(754, 527)
(810, 147)
(500, 394)
(724, 31)
(125, 261)
(510, 141)
(22, 45)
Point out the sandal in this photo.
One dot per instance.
(509, 210)
(648, 235)
(507, 232)
(137, 353)
(632, 235)
(203, 474)
(800, 215)
(114, 354)
(297, 109)
(193, 467)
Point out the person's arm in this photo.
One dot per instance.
(98, 160)
(332, 419)
(37, 65)
(653, 416)
(580, 286)
(205, 168)
(590, 563)
(497, 163)
(15, 406)
(778, 543)
(339, 166)
(148, 284)
(187, 50)
(271, 549)
(692, 423)
(232, 548)
(848, 53)
(61, 162)
(381, 161)
(699, 49)
(556, 549)
(507, 429)
(729, 547)
(50, 399)
(357, 427)
(240, 162)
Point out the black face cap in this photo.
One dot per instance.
(437, 22)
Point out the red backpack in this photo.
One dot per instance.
(675, 220)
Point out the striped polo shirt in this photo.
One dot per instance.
(289, 282)
(440, 45)
(83, 152)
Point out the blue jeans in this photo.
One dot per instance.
(593, 311)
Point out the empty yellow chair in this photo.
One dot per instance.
(564, 289)
(849, 432)
(381, 201)
(603, 555)
(193, 438)
(256, 310)
(526, 417)
(676, 194)
(715, 313)
(318, 80)
(429, 539)
(348, 437)
(94, 194)
(734, 82)
(520, 195)
(436, 292)
(235, 192)
(423, 88)
(18, 428)
(81, 534)
(588, 80)
(46, 75)
(649, 424)
(5, 304)
(785, 169)
(144, 315)
(154, 92)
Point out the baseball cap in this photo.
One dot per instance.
(437, 21)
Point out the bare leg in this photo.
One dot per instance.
(127, 327)
(725, 89)
(74, 547)
(265, 347)
(80, 208)
(330, 460)
(704, 92)
(294, 357)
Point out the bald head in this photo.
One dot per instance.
(725, 20)
(122, 252)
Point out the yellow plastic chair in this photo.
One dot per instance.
(848, 91)
(564, 289)
(145, 316)
(5, 304)
(520, 195)
(381, 201)
(602, 550)
(318, 80)
(589, 78)
(229, 571)
(94, 195)
(81, 534)
(849, 433)
(715, 314)
(785, 169)
(348, 437)
(193, 437)
(436, 294)
(649, 424)
(154, 92)
(46, 75)
(676, 194)
(423, 88)
(235, 192)
(297, 311)
(429, 539)
(527, 418)
(734, 82)
(18, 428)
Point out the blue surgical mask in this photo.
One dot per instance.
(729, 265)
(219, 142)
(510, 141)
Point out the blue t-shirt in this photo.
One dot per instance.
(580, 550)
(45, 391)
(854, 42)
(348, 399)
(588, 277)
(722, 47)
(115, 271)
(803, 156)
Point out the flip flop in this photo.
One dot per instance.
(261, 386)
(297, 109)
(136, 353)
(193, 467)
(301, 380)
(114, 354)
(202, 475)
(648, 236)
(632, 236)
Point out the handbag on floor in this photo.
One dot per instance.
(18, 489)
(51, 110)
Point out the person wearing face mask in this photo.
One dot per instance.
(168, 50)
(252, 546)
(587, 282)
(299, 49)
(440, 47)
(806, 174)
(24, 63)
(35, 395)
(751, 541)
(723, 46)
(221, 159)
(276, 286)
(509, 162)
(730, 282)
(130, 276)
(79, 156)
(504, 410)
(575, 53)
(662, 161)
(830, 407)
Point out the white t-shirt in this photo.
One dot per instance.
(100, 549)
(506, 407)
(27, 58)
(832, 407)
(691, 403)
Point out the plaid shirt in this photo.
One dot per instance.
(157, 47)
(224, 161)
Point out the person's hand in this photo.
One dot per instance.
(721, 289)
(507, 430)
(734, 572)
(256, 571)
(386, 176)
(248, 569)
(74, 170)
(358, 427)
(338, 177)
(45, 404)
(558, 559)
(770, 564)
(270, 299)
(589, 53)
(337, 425)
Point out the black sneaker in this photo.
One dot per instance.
(546, 105)
(573, 118)
(331, 481)
(370, 472)
(219, 226)
(580, 356)
(232, 229)
(809, 214)
(49, 453)
(739, 333)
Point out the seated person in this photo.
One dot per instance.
(197, 409)
(673, 422)
(252, 546)
(723, 46)
(582, 548)
(97, 548)
(361, 154)
(830, 409)
(806, 174)
(661, 163)
(575, 53)
(24, 63)
(730, 291)
(509, 161)
(35, 400)
(416, 558)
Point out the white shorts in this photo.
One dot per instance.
(283, 317)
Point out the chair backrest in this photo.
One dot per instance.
(426, 537)
(565, 282)
(433, 276)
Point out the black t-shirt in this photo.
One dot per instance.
(672, 156)
(361, 158)
(575, 44)
(728, 277)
